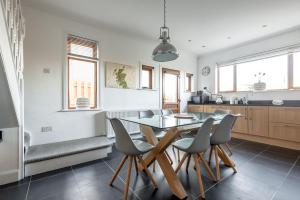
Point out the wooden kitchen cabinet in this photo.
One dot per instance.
(258, 120)
(195, 108)
(283, 131)
(241, 124)
(213, 108)
(289, 115)
(285, 123)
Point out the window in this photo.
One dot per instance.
(274, 68)
(296, 70)
(188, 82)
(226, 78)
(147, 77)
(82, 65)
(278, 72)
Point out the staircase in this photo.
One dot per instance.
(12, 31)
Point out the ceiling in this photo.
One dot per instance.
(211, 25)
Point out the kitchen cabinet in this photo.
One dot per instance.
(213, 108)
(241, 124)
(195, 108)
(285, 123)
(289, 115)
(258, 120)
(290, 132)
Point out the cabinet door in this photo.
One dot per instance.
(195, 108)
(283, 131)
(209, 108)
(212, 108)
(241, 124)
(289, 115)
(258, 120)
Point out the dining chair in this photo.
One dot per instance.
(221, 135)
(225, 112)
(133, 150)
(165, 112)
(158, 132)
(196, 147)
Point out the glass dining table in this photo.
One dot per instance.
(174, 125)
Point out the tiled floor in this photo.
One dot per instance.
(264, 173)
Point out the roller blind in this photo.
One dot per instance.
(78, 46)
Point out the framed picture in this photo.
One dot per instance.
(121, 76)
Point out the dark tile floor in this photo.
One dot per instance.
(264, 173)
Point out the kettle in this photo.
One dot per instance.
(219, 99)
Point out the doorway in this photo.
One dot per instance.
(170, 89)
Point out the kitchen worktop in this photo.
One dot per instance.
(287, 103)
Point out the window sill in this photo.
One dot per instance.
(147, 89)
(80, 110)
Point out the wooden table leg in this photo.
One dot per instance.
(158, 153)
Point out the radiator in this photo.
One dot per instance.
(130, 127)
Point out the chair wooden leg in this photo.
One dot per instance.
(228, 148)
(147, 172)
(187, 164)
(136, 166)
(169, 157)
(210, 154)
(178, 155)
(128, 178)
(153, 166)
(181, 162)
(225, 154)
(217, 162)
(199, 176)
(118, 170)
(208, 169)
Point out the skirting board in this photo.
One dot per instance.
(9, 176)
(270, 141)
(65, 161)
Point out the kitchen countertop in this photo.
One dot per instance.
(287, 103)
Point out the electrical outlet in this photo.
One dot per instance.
(46, 129)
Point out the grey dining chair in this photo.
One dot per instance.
(196, 147)
(166, 112)
(158, 132)
(225, 112)
(221, 135)
(133, 149)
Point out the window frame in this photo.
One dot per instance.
(150, 69)
(95, 60)
(290, 74)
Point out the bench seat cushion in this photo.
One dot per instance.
(43, 152)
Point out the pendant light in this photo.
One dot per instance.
(165, 51)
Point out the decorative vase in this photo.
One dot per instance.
(259, 86)
(82, 103)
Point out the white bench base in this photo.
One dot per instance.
(65, 161)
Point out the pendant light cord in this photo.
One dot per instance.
(164, 13)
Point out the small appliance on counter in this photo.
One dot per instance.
(200, 97)
(277, 102)
(219, 99)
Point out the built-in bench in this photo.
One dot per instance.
(51, 156)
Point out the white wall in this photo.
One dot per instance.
(44, 48)
(9, 156)
(211, 59)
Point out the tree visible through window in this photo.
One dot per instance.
(82, 70)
